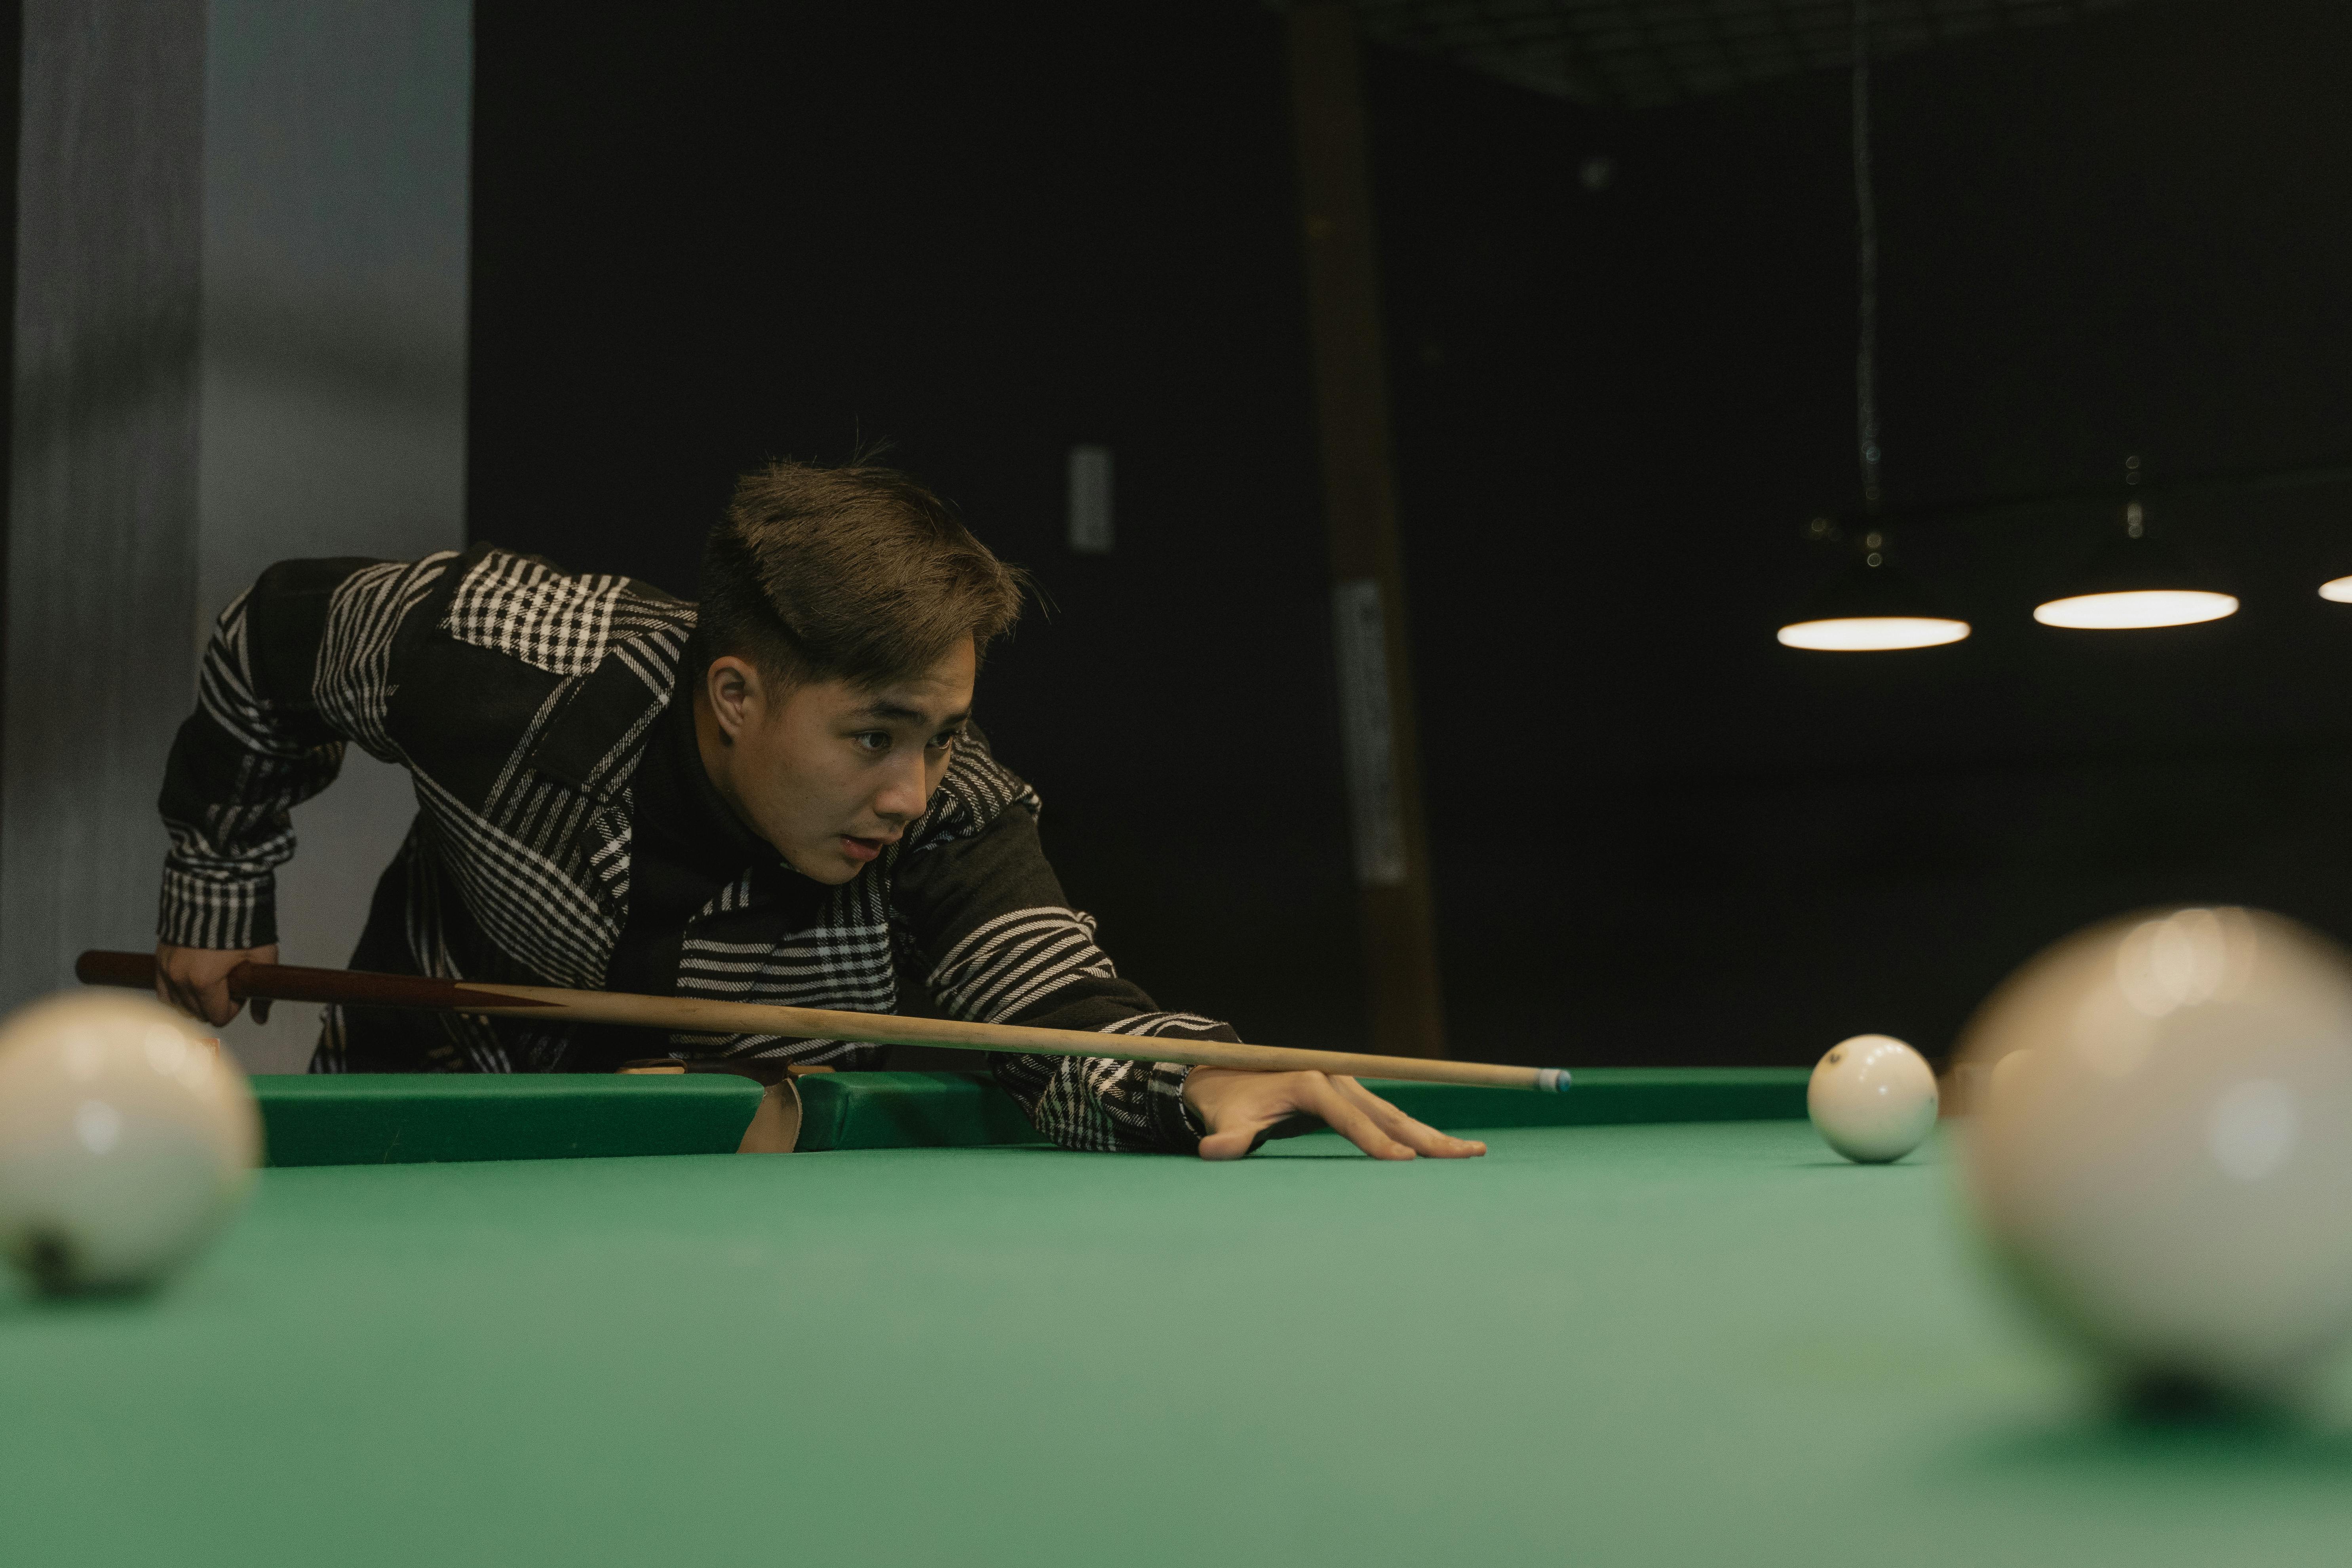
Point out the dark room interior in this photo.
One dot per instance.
(1621, 346)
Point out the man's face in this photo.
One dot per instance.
(827, 773)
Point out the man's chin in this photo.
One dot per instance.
(834, 862)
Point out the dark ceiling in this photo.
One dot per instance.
(1631, 54)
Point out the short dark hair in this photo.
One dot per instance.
(854, 572)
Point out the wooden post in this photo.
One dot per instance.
(1384, 769)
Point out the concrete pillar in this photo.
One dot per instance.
(102, 527)
(241, 336)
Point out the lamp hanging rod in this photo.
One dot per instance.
(2110, 494)
(1865, 230)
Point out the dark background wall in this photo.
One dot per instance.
(707, 235)
(710, 233)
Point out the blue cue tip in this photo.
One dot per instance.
(1551, 1080)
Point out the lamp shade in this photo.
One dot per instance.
(2136, 581)
(1871, 608)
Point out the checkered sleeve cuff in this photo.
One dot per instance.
(208, 909)
(1171, 1116)
(1172, 1121)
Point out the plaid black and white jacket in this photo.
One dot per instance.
(521, 701)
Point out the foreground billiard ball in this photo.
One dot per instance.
(1873, 1099)
(126, 1142)
(2162, 1159)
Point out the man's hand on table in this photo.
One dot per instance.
(195, 980)
(1240, 1107)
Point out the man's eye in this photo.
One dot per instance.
(945, 738)
(872, 740)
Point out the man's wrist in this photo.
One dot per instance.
(1179, 1122)
(1192, 1123)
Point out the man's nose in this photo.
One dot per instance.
(902, 796)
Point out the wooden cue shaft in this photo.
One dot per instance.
(694, 1016)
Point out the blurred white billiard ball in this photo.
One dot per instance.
(2163, 1157)
(1873, 1099)
(126, 1141)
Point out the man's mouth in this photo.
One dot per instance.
(858, 848)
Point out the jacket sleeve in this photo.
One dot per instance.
(298, 666)
(998, 943)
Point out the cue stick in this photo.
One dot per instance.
(694, 1016)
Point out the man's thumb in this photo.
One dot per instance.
(1231, 1144)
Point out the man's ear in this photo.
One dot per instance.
(735, 689)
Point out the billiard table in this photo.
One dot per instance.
(1658, 1323)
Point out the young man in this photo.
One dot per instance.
(777, 798)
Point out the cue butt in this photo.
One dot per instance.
(136, 970)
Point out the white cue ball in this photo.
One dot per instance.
(126, 1142)
(1873, 1099)
(2163, 1157)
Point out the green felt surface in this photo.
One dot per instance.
(908, 1110)
(966, 1109)
(1674, 1344)
(373, 1118)
(408, 1118)
(1598, 1096)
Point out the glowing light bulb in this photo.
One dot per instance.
(1872, 634)
(2136, 609)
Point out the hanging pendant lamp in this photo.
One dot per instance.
(1872, 607)
(2135, 581)
(2337, 590)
